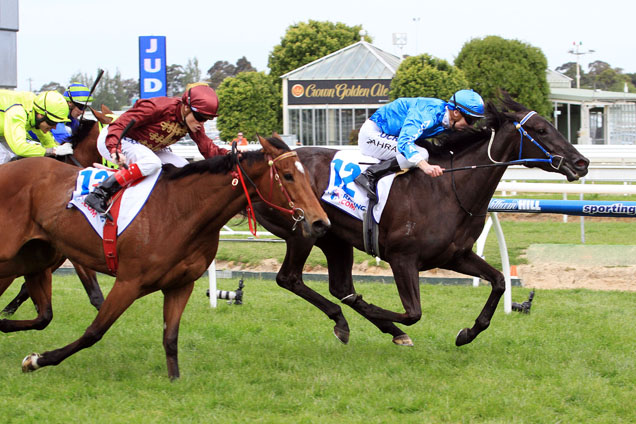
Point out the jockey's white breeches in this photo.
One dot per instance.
(148, 161)
(373, 142)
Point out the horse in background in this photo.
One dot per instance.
(85, 154)
(167, 247)
(427, 222)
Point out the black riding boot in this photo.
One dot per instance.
(98, 199)
(369, 178)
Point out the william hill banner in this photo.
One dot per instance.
(311, 92)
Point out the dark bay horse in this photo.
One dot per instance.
(168, 246)
(427, 222)
(85, 154)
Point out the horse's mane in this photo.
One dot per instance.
(471, 138)
(221, 164)
(85, 127)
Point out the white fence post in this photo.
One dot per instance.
(212, 276)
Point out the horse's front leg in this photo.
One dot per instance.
(174, 302)
(122, 295)
(22, 295)
(88, 277)
(38, 287)
(474, 265)
(290, 277)
(339, 256)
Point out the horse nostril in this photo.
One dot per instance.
(320, 227)
(582, 163)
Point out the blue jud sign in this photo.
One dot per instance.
(152, 66)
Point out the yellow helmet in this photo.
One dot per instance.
(52, 105)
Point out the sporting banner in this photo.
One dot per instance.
(152, 66)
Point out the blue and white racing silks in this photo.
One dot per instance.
(410, 118)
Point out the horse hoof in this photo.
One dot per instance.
(403, 340)
(342, 335)
(30, 363)
(462, 337)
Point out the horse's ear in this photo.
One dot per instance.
(267, 146)
(106, 110)
(101, 116)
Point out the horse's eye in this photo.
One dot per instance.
(542, 131)
(288, 177)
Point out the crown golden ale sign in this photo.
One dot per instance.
(312, 92)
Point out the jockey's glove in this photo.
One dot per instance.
(61, 150)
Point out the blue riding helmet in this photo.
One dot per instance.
(468, 102)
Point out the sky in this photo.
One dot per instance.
(58, 38)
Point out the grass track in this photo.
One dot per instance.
(274, 360)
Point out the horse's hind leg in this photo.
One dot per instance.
(290, 277)
(474, 265)
(339, 256)
(88, 277)
(174, 302)
(122, 295)
(39, 289)
(17, 301)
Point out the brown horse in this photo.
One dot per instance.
(427, 222)
(85, 154)
(168, 246)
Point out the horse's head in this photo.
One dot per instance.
(536, 140)
(295, 189)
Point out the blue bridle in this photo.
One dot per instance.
(523, 133)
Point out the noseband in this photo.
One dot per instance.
(555, 161)
(297, 214)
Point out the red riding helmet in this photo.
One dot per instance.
(202, 99)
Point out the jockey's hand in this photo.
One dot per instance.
(430, 170)
(61, 150)
(118, 158)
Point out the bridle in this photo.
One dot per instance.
(297, 214)
(551, 159)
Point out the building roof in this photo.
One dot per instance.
(557, 79)
(584, 95)
(360, 60)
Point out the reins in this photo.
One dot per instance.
(297, 214)
(522, 133)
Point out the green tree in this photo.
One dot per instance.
(249, 102)
(191, 72)
(114, 92)
(52, 86)
(426, 76)
(174, 80)
(495, 63)
(223, 69)
(305, 42)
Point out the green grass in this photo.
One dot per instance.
(274, 360)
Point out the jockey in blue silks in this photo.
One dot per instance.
(390, 133)
(77, 97)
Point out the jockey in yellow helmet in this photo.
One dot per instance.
(21, 112)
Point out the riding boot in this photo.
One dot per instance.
(369, 178)
(100, 196)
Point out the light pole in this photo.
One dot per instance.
(399, 39)
(417, 24)
(575, 51)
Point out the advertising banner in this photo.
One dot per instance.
(312, 92)
(152, 66)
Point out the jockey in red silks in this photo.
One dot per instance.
(159, 122)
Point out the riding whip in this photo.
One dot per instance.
(100, 72)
